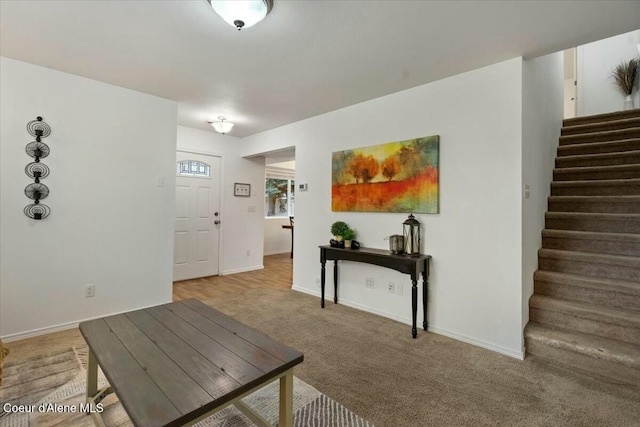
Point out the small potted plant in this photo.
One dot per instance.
(348, 236)
(625, 77)
(338, 229)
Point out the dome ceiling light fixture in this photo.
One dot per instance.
(242, 13)
(222, 126)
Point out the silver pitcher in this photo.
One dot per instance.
(396, 243)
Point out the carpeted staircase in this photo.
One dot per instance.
(585, 311)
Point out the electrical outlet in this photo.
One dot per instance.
(369, 283)
(317, 282)
(391, 287)
(248, 252)
(90, 291)
(399, 290)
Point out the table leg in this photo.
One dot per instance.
(425, 296)
(92, 376)
(286, 399)
(322, 278)
(414, 306)
(335, 281)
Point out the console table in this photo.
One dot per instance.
(411, 265)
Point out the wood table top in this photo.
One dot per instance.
(172, 363)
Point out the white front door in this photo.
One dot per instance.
(197, 226)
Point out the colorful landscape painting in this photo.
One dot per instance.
(394, 177)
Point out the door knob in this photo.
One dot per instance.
(216, 222)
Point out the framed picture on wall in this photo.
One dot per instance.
(241, 190)
(401, 176)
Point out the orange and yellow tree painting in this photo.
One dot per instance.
(394, 177)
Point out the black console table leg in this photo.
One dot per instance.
(425, 295)
(335, 281)
(414, 306)
(322, 278)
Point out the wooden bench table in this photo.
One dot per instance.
(178, 363)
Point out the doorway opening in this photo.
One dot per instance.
(279, 202)
(570, 83)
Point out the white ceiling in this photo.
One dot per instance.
(306, 58)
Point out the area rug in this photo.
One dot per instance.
(57, 380)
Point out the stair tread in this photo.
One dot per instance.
(591, 345)
(622, 260)
(597, 144)
(613, 154)
(614, 132)
(598, 118)
(591, 235)
(632, 166)
(609, 199)
(584, 310)
(596, 182)
(617, 122)
(594, 215)
(614, 285)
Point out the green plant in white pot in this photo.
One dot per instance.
(348, 236)
(624, 76)
(338, 229)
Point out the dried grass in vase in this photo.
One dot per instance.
(625, 75)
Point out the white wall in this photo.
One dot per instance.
(277, 240)
(475, 285)
(110, 225)
(542, 112)
(597, 92)
(241, 229)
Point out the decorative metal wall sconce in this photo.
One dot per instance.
(37, 170)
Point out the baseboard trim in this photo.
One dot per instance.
(432, 328)
(479, 343)
(242, 270)
(64, 326)
(277, 252)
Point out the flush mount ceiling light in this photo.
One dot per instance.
(222, 126)
(242, 13)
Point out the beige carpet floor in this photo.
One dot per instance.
(372, 366)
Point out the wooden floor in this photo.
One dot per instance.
(277, 274)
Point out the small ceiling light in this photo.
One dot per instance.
(242, 13)
(222, 126)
